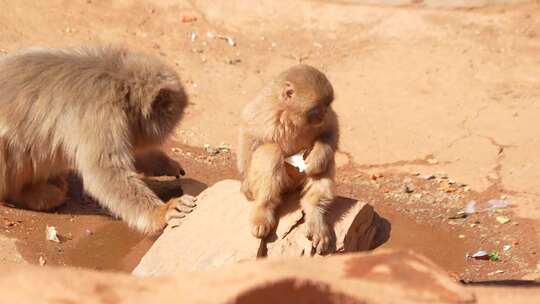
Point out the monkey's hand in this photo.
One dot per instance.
(157, 163)
(319, 158)
(319, 234)
(179, 208)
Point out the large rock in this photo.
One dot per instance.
(218, 233)
(380, 277)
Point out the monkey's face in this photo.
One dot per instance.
(308, 105)
(156, 123)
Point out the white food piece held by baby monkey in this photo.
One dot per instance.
(297, 161)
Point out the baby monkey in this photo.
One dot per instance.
(290, 115)
(91, 110)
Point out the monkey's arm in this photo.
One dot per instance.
(320, 156)
(324, 148)
(105, 162)
(247, 144)
(157, 163)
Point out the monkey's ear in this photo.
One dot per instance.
(288, 91)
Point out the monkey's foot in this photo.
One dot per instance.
(44, 195)
(319, 234)
(263, 221)
(178, 208)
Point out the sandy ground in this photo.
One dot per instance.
(421, 86)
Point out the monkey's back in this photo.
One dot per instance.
(49, 100)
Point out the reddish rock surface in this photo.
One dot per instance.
(382, 277)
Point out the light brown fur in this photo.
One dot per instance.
(292, 113)
(88, 110)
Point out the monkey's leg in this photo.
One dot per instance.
(317, 195)
(43, 195)
(265, 180)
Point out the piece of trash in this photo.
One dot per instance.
(470, 208)
(428, 176)
(495, 272)
(497, 203)
(42, 261)
(188, 18)
(481, 255)
(494, 256)
(176, 150)
(502, 219)
(52, 234)
(193, 36)
(229, 40)
(461, 236)
(473, 207)
(507, 247)
(297, 161)
(89, 232)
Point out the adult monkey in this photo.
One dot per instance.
(90, 110)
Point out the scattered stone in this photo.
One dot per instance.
(432, 161)
(507, 247)
(42, 261)
(176, 150)
(384, 190)
(52, 234)
(428, 177)
(445, 186)
(188, 18)
(502, 219)
(193, 36)
(461, 236)
(408, 188)
(222, 148)
(376, 176)
(233, 61)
